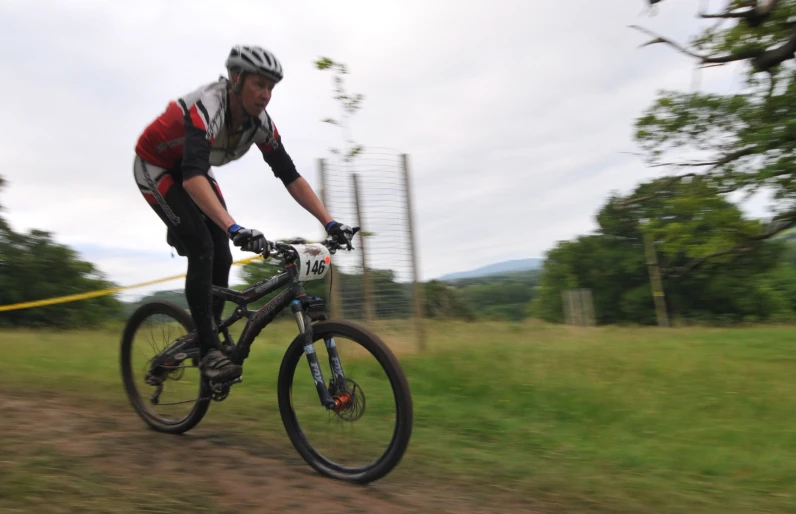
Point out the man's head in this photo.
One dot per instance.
(253, 72)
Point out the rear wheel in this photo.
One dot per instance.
(160, 371)
(367, 435)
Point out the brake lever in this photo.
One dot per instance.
(354, 231)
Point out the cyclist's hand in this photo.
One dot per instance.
(341, 233)
(249, 240)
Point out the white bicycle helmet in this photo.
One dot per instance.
(254, 59)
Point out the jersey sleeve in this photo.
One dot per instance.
(202, 122)
(274, 153)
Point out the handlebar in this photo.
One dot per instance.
(284, 249)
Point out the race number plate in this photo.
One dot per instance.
(313, 262)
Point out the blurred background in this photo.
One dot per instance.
(577, 238)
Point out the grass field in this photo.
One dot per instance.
(609, 419)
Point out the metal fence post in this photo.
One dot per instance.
(334, 290)
(417, 289)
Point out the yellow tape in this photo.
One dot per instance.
(101, 292)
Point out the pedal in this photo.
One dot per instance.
(229, 383)
(221, 391)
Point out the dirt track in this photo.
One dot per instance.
(235, 475)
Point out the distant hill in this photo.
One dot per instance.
(499, 268)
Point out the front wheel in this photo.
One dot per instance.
(366, 436)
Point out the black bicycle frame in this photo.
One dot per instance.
(306, 309)
(257, 320)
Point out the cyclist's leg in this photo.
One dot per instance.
(222, 257)
(187, 224)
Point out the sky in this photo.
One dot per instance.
(517, 116)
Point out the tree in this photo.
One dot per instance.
(34, 267)
(688, 221)
(443, 301)
(502, 296)
(734, 143)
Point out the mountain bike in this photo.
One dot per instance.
(352, 398)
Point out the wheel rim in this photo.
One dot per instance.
(179, 380)
(360, 435)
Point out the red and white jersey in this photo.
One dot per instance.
(162, 142)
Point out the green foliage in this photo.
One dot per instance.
(498, 297)
(612, 268)
(686, 222)
(529, 278)
(744, 141)
(495, 294)
(34, 267)
(501, 300)
(444, 302)
(349, 103)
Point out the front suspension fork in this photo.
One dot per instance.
(305, 332)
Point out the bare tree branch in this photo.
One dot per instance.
(756, 13)
(781, 223)
(772, 82)
(633, 153)
(730, 157)
(661, 39)
(643, 198)
(696, 263)
(727, 15)
(652, 9)
(762, 60)
(684, 164)
(775, 56)
(761, 12)
(703, 59)
(734, 156)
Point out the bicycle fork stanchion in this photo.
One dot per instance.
(334, 361)
(305, 330)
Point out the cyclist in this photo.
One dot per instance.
(212, 126)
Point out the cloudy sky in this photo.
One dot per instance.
(515, 113)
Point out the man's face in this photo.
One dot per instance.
(256, 93)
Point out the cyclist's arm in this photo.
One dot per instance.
(283, 168)
(196, 164)
(200, 190)
(302, 192)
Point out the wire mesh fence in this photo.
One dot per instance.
(377, 284)
(578, 307)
